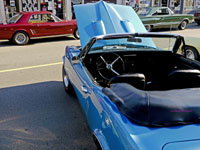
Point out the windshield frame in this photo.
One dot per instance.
(17, 17)
(179, 40)
(144, 15)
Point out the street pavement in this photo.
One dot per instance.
(35, 112)
(192, 30)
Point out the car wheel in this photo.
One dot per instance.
(66, 83)
(191, 53)
(20, 38)
(183, 25)
(148, 28)
(76, 34)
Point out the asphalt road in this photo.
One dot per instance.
(35, 112)
(192, 30)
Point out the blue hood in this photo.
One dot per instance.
(103, 18)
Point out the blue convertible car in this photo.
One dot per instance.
(137, 89)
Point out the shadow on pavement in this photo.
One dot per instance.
(6, 43)
(53, 39)
(42, 116)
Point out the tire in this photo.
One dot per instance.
(183, 25)
(20, 38)
(66, 83)
(76, 34)
(192, 53)
(149, 28)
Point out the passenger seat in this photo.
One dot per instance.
(184, 78)
(135, 79)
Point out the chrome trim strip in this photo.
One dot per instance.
(50, 36)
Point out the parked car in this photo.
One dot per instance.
(29, 25)
(136, 92)
(193, 48)
(197, 17)
(163, 17)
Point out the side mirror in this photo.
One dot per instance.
(75, 59)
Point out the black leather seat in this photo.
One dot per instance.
(136, 79)
(184, 78)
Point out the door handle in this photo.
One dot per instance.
(84, 89)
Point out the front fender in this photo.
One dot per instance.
(24, 30)
(100, 140)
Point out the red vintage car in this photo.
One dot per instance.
(29, 25)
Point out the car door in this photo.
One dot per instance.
(169, 19)
(79, 79)
(162, 16)
(62, 26)
(43, 25)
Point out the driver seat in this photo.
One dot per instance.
(135, 79)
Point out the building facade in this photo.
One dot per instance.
(64, 9)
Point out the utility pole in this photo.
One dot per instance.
(2, 13)
(182, 7)
(123, 2)
(67, 11)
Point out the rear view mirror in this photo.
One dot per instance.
(134, 39)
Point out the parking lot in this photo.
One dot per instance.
(36, 113)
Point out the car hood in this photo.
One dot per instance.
(102, 18)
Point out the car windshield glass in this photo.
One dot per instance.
(134, 44)
(143, 11)
(15, 18)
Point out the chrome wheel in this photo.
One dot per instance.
(190, 54)
(66, 83)
(76, 34)
(183, 25)
(148, 28)
(20, 38)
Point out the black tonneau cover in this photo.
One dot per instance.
(156, 108)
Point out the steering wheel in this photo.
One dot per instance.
(110, 65)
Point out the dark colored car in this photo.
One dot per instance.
(197, 17)
(136, 90)
(29, 25)
(163, 17)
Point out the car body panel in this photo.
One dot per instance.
(113, 129)
(104, 18)
(37, 29)
(183, 145)
(167, 20)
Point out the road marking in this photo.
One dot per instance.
(31, 67)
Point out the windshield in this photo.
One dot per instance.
(144, 11)
(15, 18)
(134, 44)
